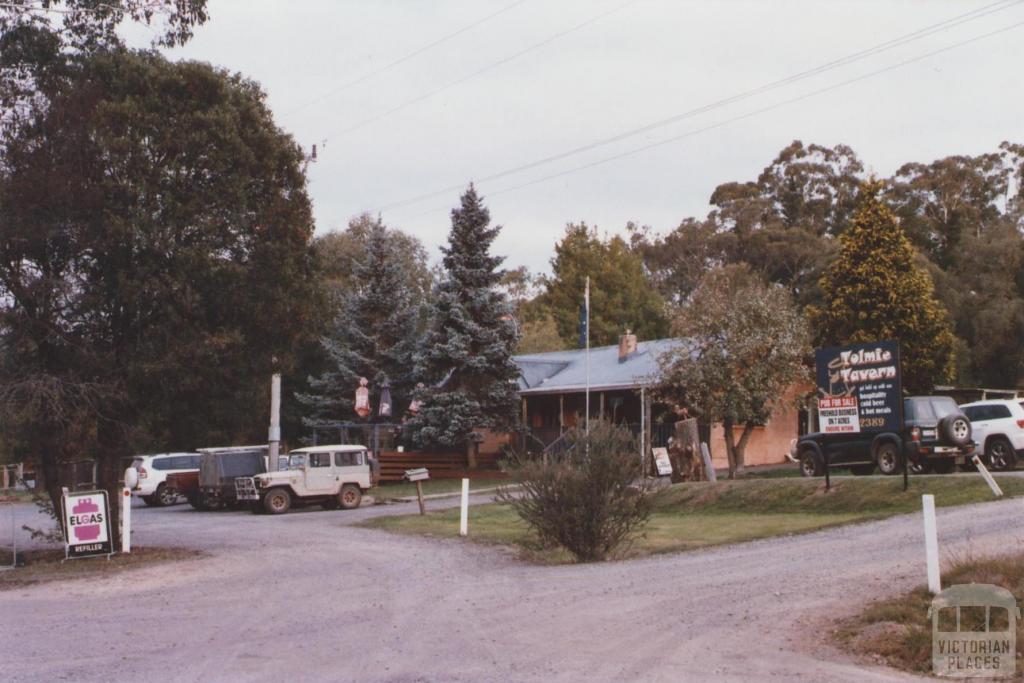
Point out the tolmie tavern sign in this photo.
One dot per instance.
(859, 388)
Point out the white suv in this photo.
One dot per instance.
(153, 471)
(998, 429)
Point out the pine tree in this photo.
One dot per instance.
(874, 290)
(467, 357)
(374, 335)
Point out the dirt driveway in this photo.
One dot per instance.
(307, 596)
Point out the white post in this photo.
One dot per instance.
(996, 491)
(464, 512)
(931, 544)
(709, 466)
(126, 520)
(274, 433)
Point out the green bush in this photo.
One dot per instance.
(589, 498)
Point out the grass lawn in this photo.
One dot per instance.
(898, 632)
(404, 489)
(688, 516)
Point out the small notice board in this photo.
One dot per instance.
(661, 461)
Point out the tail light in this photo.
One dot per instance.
(142, 473)
(1020, 423)
(915, 434)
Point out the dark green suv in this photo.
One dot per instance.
(936, 436)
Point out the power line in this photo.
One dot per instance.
(827, 66)
(489, 67)
(762, 110)
(402, 60)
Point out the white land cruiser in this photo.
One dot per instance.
(331, 476)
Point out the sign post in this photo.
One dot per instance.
(86, 517)
(860, 391)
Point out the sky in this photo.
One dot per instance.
(481, 87)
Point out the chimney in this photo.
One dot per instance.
(627, 346)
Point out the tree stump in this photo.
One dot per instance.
(687, 462)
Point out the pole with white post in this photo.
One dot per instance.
(126, 520)
(586, 308)
(274, 433)
(464, 509)
(931, 544)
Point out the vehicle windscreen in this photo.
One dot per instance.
(241, 464)
(929, 408)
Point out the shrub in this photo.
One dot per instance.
(589, 497)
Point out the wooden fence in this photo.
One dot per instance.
(393, 465)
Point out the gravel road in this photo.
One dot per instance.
(308, 596)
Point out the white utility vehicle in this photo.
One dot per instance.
(152, 470)
(999, 430)
(331, 476)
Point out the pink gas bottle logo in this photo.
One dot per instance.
(86, 520)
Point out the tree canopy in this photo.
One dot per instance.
(743, 345)
(875, 290)
(620, 294)
(154, 261)
(466, 358)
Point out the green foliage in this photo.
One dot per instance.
(874, 290)
(620, 294)
(375, 331)
(743, 345)
(466, 358)
(590, 499)
(154, 262)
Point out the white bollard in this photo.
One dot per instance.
(988, 476)
(126, 520)
(464, 512)
(931, 544)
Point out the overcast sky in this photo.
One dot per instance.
(604, 67)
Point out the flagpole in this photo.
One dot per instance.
(586, 304)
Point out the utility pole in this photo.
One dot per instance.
(274, 435)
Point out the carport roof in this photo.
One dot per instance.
(561, 372)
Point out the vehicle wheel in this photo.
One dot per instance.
(810, 464)
(350, 497)
(862, 470)
(888, 457)
(166, 495)
(151, 501)
(955, 429)
(277, 501)
(197, 502)
(1000, 454)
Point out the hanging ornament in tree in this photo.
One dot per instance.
(416, 404)
(362, 398)
(385, 400)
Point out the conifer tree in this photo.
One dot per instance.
(874, 290)
(467, 357)
(374, 335)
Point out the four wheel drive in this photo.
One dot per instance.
(218, 469)
(936, 435)
(154, 471)
(332, 476)
(999, 430)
